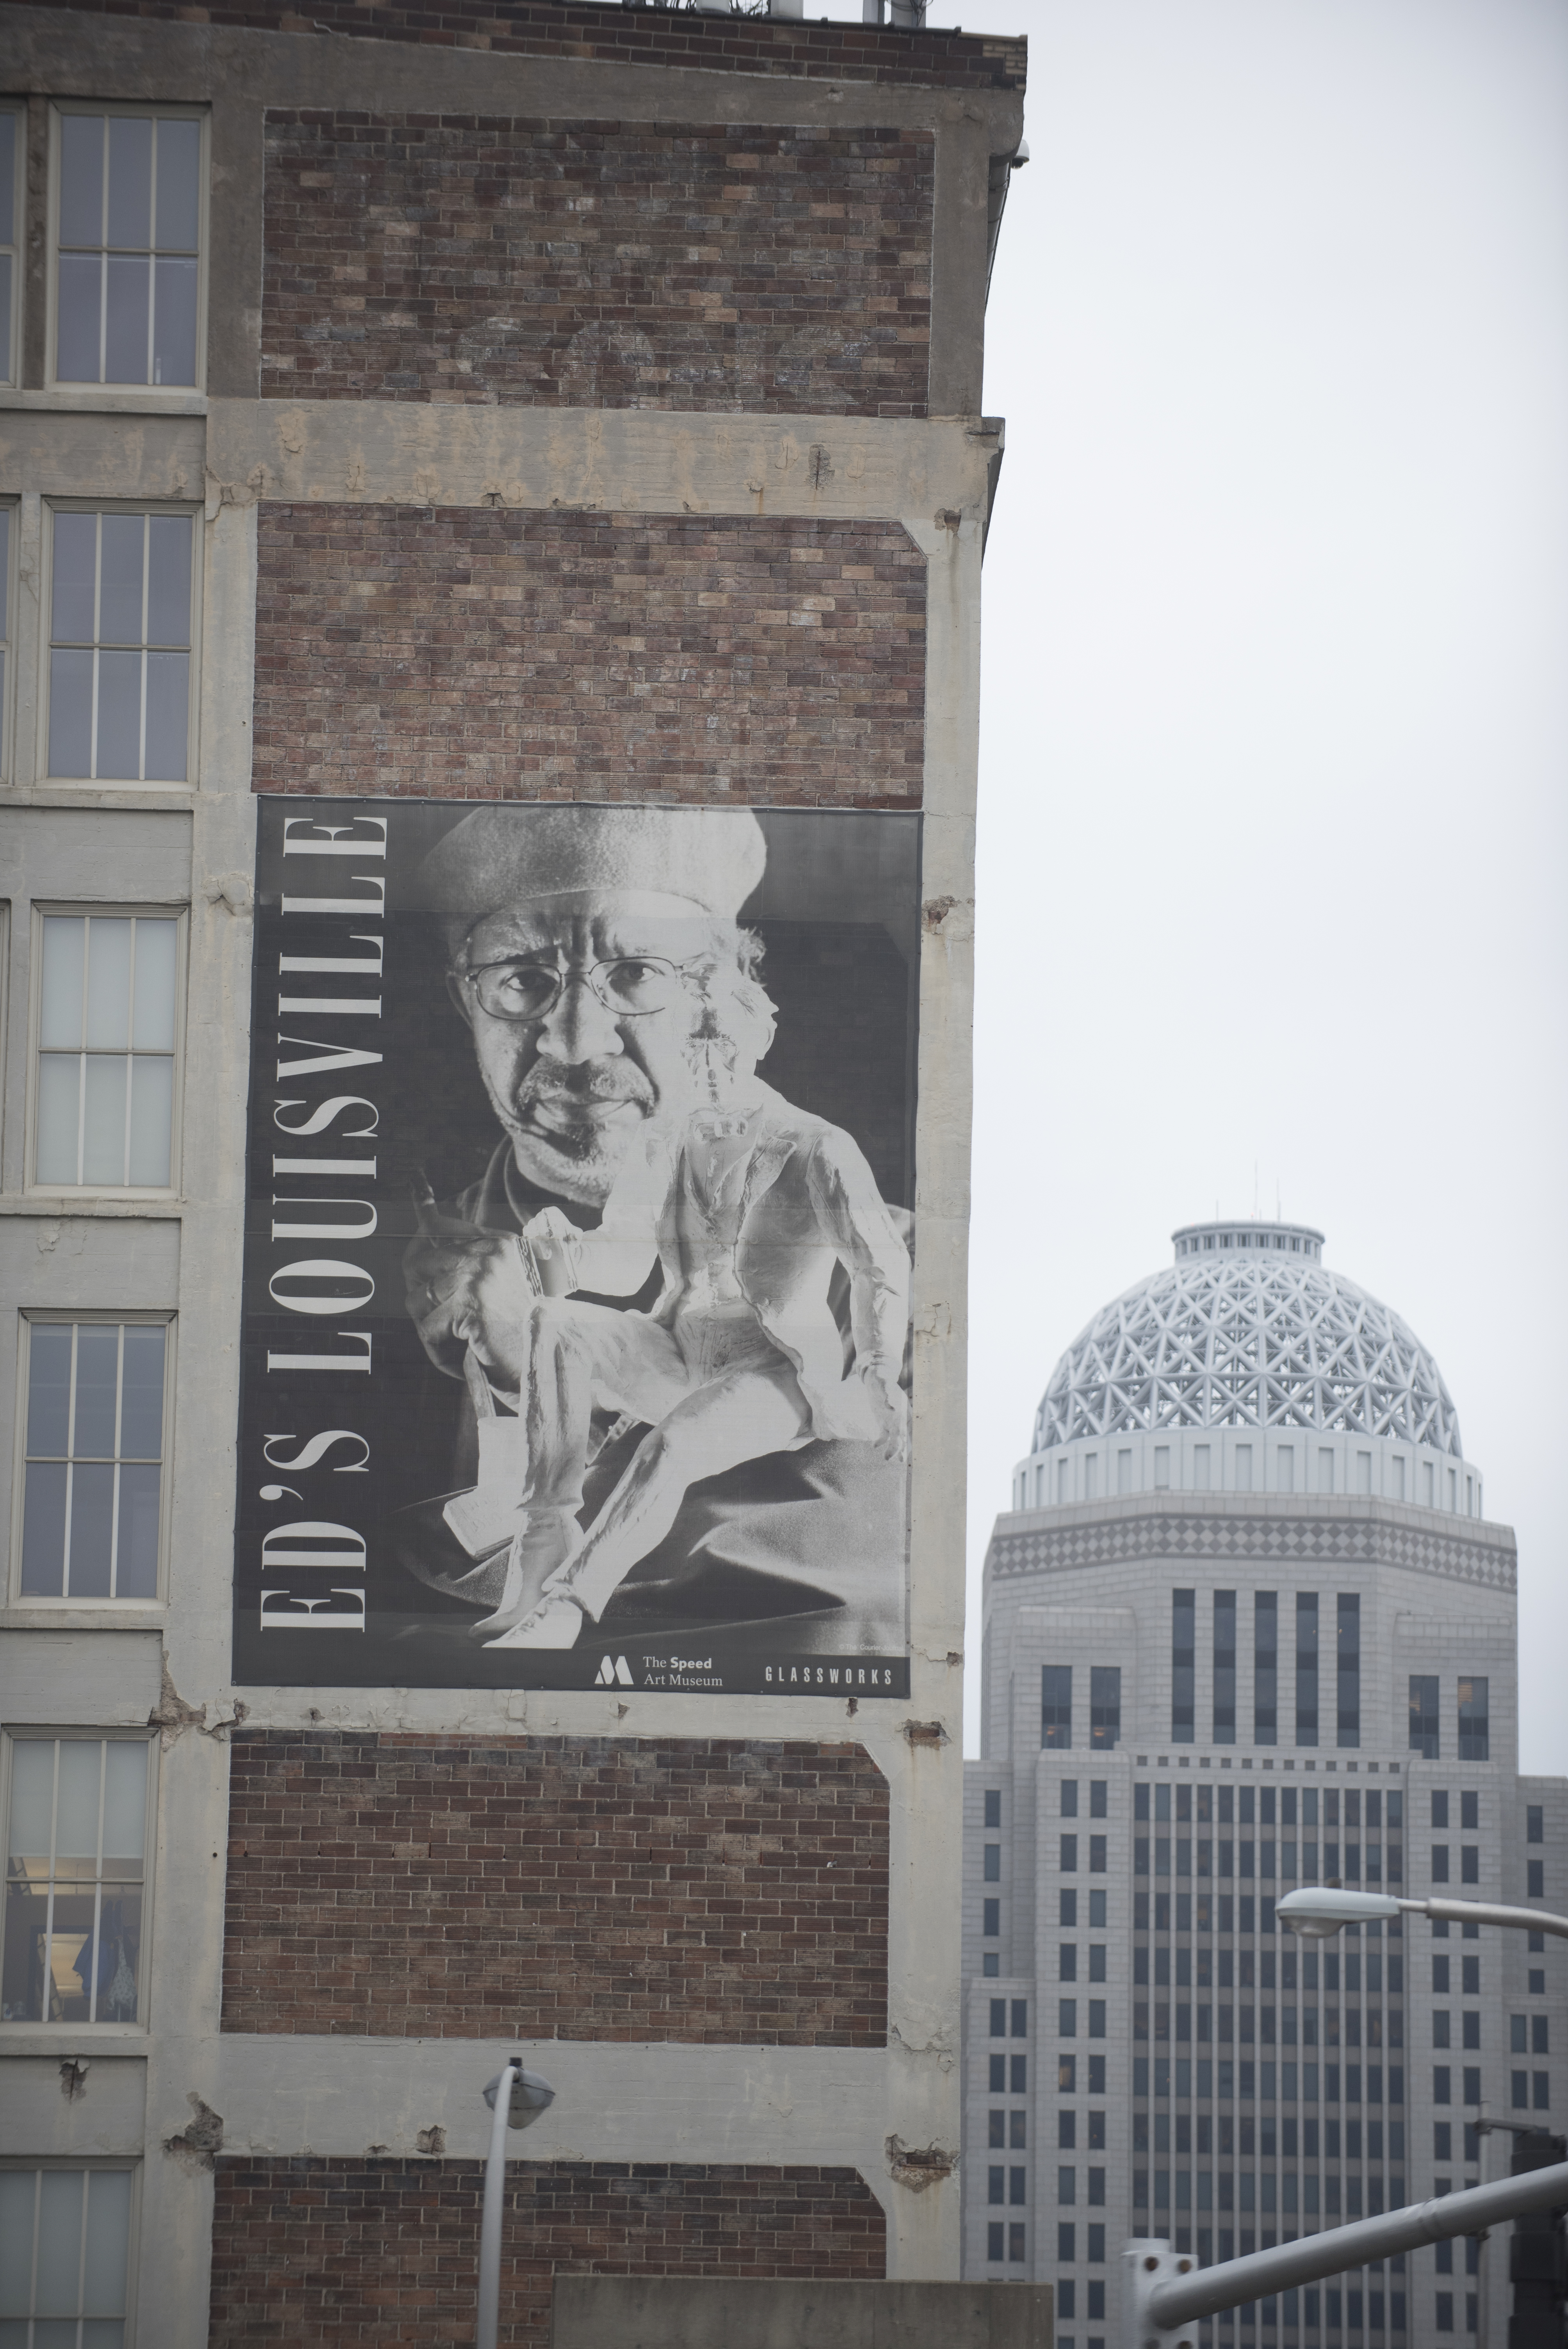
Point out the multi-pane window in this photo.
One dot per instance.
(129, 221)
(7, 525)
(119, 647)
(1183, 1653)
(65, 2248)
(1104, 1708)
(107, 994)
(74, 1878)
(1056, 1704)
(1265, 1668)
(10, 257)
(1475, 1727)
(1224, 1694)
(1348, 1667)
(1306, 1666)
(1424, 1725)
(94, 1460)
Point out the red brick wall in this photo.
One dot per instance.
(613, 35)
(382, 2254)
(604, 264)
(477, 653)
(680, 1889)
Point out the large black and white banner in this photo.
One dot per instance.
(578, 1248)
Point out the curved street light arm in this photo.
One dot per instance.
(1489, 1912)
(1167, 2301)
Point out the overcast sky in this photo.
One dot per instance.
(1271, 869)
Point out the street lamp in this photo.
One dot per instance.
(1319, 1909)
(517, 2098)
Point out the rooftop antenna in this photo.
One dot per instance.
(1255, 1190)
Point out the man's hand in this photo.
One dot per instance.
(467, 1288)
(890, 1405)
(556, 1246)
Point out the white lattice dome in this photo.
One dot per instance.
(1247, 1365)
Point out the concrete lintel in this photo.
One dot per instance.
(389, 452)
(72, 452)
(631, 2101)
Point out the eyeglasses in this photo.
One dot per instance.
(526, 991)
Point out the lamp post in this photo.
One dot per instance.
(1319, 1910)
(517, 2098)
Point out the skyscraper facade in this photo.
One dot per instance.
(1248, 1627)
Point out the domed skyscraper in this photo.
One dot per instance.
(1246, 1627)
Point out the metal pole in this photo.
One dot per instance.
(1482, 2263)
(1491, 1912)
(1169, 2292)
(495, 2203)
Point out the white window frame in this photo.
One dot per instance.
(53, 506)
(18, 248)
(74, 907)
(16, 1734)
(12, 507)
(159, 395)
(127, 2163)
(134, 1612)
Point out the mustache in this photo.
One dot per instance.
(591, 1081)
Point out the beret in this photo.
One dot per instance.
(505, 855)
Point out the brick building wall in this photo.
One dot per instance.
(687, 1888)
(380, 2253)
(507, 654)
(608, 265)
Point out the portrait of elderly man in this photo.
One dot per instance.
(676, 1303)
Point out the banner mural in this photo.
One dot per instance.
(578, 1248)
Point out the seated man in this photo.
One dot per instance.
(747, 1210)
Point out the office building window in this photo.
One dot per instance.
(12, 144)
(1535, 1823)
(127, 283)
(1056, 1704)
(1224, 1667)
(1184, 1659)
(94, 1464)
(65, 2256)
(121, 636)
(1306, 1666)
(1265, 1668)
(1475, 1729)
(8, 534)
(991, 1924)
(107, 1005)
(993, 1806)
(994, 2233)
(1348, 1669)
(1424, 1737)
(73, 1879)
(1535, 1879)
(1015, 2242)
(1104, 1709)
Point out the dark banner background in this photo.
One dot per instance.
(838, 911)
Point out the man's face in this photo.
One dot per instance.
(573, 1088)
